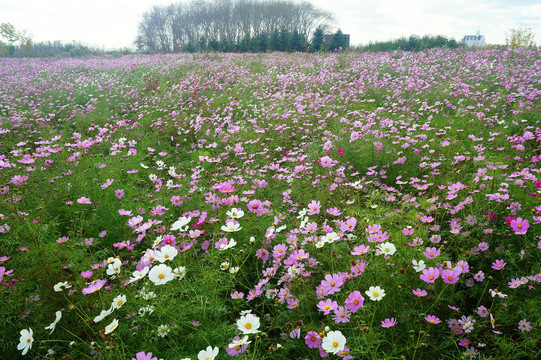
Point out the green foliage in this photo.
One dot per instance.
(337, 42)
(412, 43)
(520, 37)
(317, 40)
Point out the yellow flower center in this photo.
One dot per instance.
(161, 276)
(248, 326)
(335, 344)
(120, 302)
(356, 302)
(375, 294)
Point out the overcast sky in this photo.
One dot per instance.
(113, 23)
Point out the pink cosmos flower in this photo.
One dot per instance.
(142, 356)
(341, 315)
(387, 323)
(19, 180)
(314, 207)
(431, 252)
(407, 231)
(93, 287)
(419, 292)
(482, 311)
(327, 306)
(432, 319)
(83, 200)
(430, 275)
(360, 249)
(449, 276)
(332, 283)
(498, 264)
(354, 301)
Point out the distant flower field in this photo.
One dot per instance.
(271, 206)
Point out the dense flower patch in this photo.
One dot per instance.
(271, 206)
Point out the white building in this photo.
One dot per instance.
(476, 40)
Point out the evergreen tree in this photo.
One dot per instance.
(275, 41)
(244, 44)
(214, 45)
(283, 40)
(262, 42)
(224, 45)
(337, 41)
(190, 48)
(296, 42)
(318, 39)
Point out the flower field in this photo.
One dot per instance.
(284, 206)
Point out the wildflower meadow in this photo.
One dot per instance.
(271, 206)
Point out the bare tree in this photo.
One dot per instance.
(173, 27)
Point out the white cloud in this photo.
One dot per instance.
(113, 23)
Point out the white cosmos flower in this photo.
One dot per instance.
(387, 248)
(146, 310)
(139, 274)
(61, 286)
(240, 342)
(418, 265)
(229, 244)
(118, 302)
(231, 226)
(114, 267)
(163, 330)
(375, 293)
(248, 324)
(25, 341)
(334, 342)
(208, 354)
(180, 272)
(103, 314)
(179, 224)
(166, 253)
(161, 274)
(51, 327)
(235, 213)
(111, 327)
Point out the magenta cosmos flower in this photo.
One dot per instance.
(312, 339)
(432, 319)
(354, 301)
(520, 226)
(498, 264)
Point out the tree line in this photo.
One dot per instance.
(412, 43)
(229, 25)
